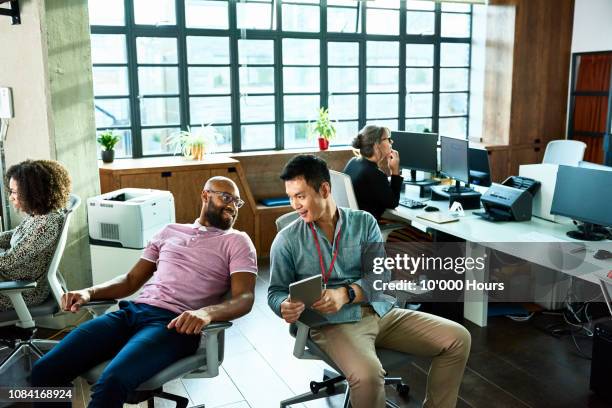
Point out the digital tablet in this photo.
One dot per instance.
(307, 290)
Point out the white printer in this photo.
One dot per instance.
(128, 217)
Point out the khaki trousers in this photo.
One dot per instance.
(352, 347)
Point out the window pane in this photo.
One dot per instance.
(453, 79)
(419, 55)
(256, 137)
(301, 107)
(255, 52)
(110, 81)
(341, 20)
(211, 110)
(158, 80)
(418, 105)
(341, 3)
(418, 125)
(155, 141)
(389, 123)
(159, 111)
(453, 104)
(112, 112)
(345, 132)
(462, 8)
(256, 80)
(455, 55)
(300, 18)
(382, 53)
(152, 50)
(154, 12)
(222, 142)
(420, 23)
(382, 21)
(455, 25)
(256, 108)
(297, 135)
(106, 12)
(206, 14)
(454, 127)
(419, 79)
(420, 5)
(343, 80)
(300, 52)
(254, 15)
(108, 49)
(343, 53)
(300, 80)
(393, 4)
(382, 106)
(382, 79)
(208, 50)
(124, 147)
(344, 107)
(213, 80)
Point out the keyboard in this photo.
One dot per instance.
(412, 204)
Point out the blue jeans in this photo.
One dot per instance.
(134, 338)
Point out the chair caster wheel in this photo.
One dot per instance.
(403, 390)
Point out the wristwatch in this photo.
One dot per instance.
(351, 293)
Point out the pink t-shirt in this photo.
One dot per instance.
(194, 264)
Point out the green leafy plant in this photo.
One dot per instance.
(192, 143)
(323, 127)
(108, 139)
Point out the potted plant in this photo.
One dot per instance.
(323, 128)
(192, 143)
(108, 139)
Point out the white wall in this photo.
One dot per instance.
(592, 26)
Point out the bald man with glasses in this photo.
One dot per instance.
(184, 273)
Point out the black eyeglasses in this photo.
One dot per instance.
(227, 198)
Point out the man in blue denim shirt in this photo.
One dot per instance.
(355, 318)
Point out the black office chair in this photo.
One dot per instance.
(334, 383)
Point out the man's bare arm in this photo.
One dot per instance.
(117, 288)
(241, 302)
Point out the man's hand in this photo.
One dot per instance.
(291, 311)
(72, 301)
(190, 322)
(331, 300)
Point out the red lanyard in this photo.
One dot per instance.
(336, 243)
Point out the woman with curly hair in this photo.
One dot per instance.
(40, 189)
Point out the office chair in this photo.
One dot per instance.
(22, 316)
(333, 383)
(344, 196)
(204, 363)
(565, 152)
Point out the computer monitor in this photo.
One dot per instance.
(454, 162)
(417, 151)
(584, 195)
(480, 171)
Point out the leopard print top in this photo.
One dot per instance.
(26, 253)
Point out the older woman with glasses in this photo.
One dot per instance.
(369, 171)
(40, 190)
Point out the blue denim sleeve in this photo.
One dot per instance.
(282, 272)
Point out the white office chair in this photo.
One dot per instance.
(344, 196)
(565, 152)
(22, 316)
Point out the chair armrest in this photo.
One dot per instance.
(99, 307)
(301, 337)
(216, 327)
(16, 286)
(210, 338)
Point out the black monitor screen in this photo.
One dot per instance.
(480, 171)
(454, 158)
(417, 151)
(584, 195)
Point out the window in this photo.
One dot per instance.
(258, 70)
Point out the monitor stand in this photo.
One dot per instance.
(423, 182)
(586, 233)
(458, 189)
